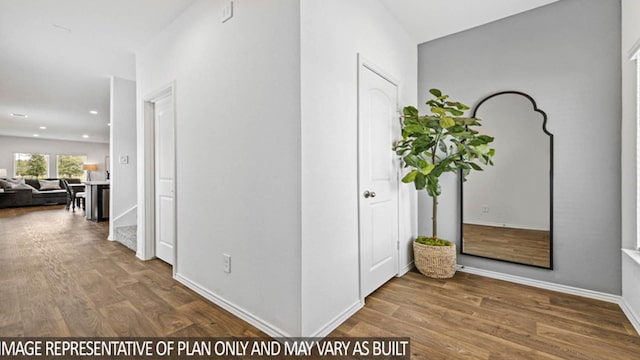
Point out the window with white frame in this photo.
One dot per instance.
(31, 166)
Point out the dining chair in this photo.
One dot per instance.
(75, 198)
(65, 184)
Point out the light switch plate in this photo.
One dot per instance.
(123, 159)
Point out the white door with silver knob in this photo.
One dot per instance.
(378, 128)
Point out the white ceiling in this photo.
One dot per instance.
(56, 56)
(427, 20)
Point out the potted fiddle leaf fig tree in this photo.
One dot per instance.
(431, 145)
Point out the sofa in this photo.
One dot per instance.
(32, 192)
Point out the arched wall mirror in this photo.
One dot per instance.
(507, 209)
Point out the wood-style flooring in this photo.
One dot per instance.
(473, 317)
(523, 246)
(59, 276)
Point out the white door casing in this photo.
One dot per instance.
(378, 128)
(164, 150)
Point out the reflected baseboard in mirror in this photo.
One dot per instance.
(506, 210)
(522, 246)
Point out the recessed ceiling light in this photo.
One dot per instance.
(19, 115)
(93, 112)
(43, 128)
(85, 136)
(36, 135)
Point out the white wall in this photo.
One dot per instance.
(570, 65)
(630, 268)
(123, 143)
(333, 33)
(238, 152)
(95, 152)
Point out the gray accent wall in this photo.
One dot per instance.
(565, 55)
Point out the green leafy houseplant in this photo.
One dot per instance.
(442, 141)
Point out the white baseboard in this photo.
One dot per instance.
(503, 225)
(233, 308)
(405, 269)
(130, 211)
(634, 319)
(335, 322)
(543, 284)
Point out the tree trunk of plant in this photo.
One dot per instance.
(434, 218)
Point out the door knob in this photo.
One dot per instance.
(367, 194)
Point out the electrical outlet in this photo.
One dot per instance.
(226, 262)
(227, 11)
(485, 208)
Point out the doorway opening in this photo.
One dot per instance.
(159, 177)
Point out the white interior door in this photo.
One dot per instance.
(164, 136)
(378, 179)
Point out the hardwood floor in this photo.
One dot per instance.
(518, 245)
(473, 317)
(60, 277)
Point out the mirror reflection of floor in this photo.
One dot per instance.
(524, 246)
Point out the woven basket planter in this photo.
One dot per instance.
(437, 262)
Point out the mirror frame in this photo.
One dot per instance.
(461, 181)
